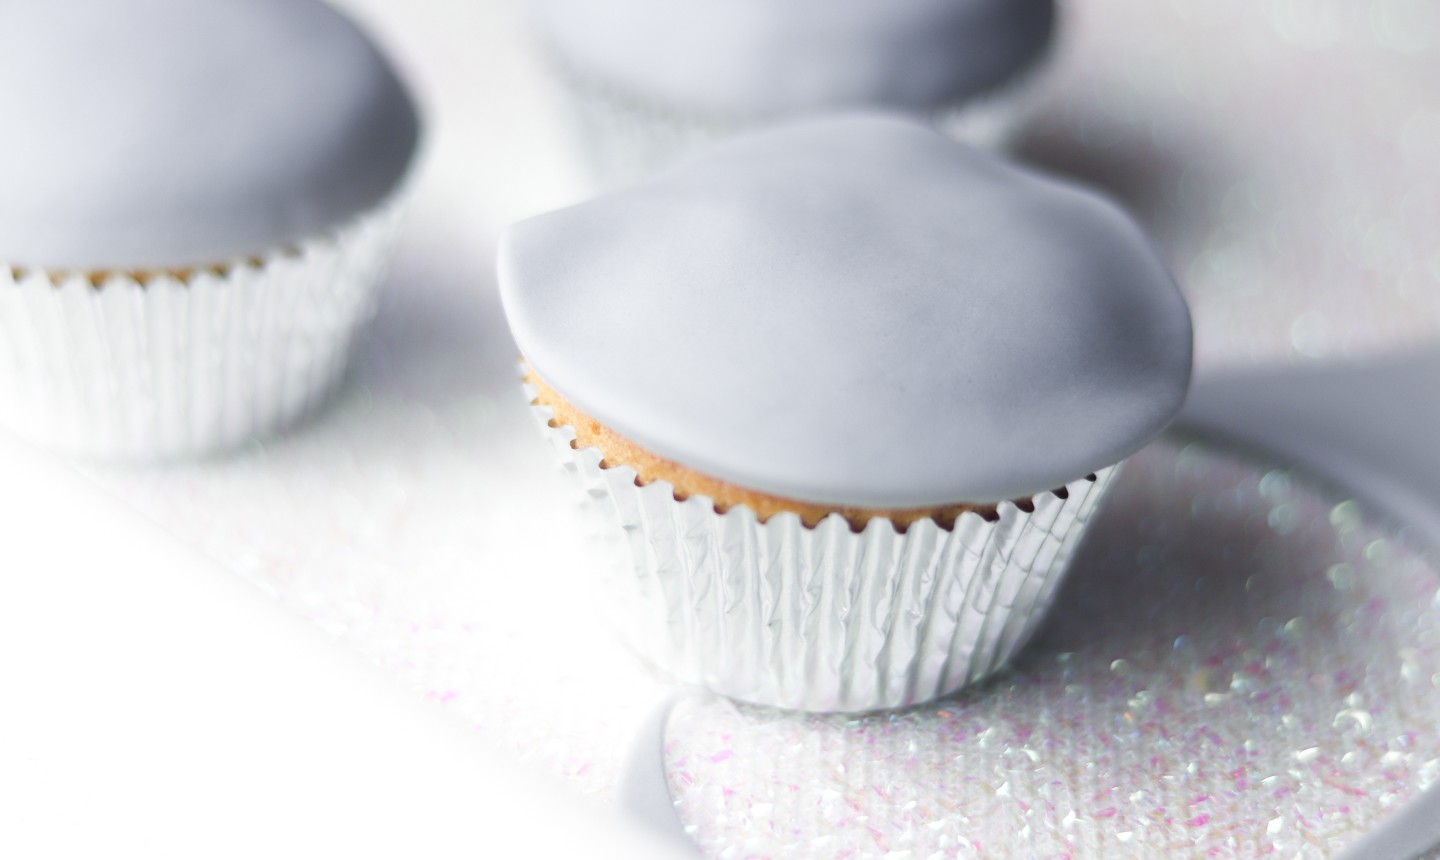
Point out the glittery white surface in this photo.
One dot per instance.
(1282, 152)
(1266, 687)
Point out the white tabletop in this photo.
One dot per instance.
(157, 705)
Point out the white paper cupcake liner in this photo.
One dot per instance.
(621, 138)
(823, 619)
(173, 368)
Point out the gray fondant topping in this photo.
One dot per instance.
(160, 133)
(856, 310)
(758, 57)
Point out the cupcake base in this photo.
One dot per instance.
(152, 367)
(823, 618)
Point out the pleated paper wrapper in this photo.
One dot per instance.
(115, 368)
(823, 618)
(620, 138)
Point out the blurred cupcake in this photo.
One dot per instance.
(199, 201)
(848, 392)
(649, 80)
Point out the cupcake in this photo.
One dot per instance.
(646, 81)
(848, 392)
(199, 201)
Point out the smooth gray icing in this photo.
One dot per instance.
(751, 57)
(856, 310)
(154, 133)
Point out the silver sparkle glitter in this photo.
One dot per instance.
(1213, 682)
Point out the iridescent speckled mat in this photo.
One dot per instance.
(1240, 665)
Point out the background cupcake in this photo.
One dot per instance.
(648, 80)
(851, 392)
(199, 200)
